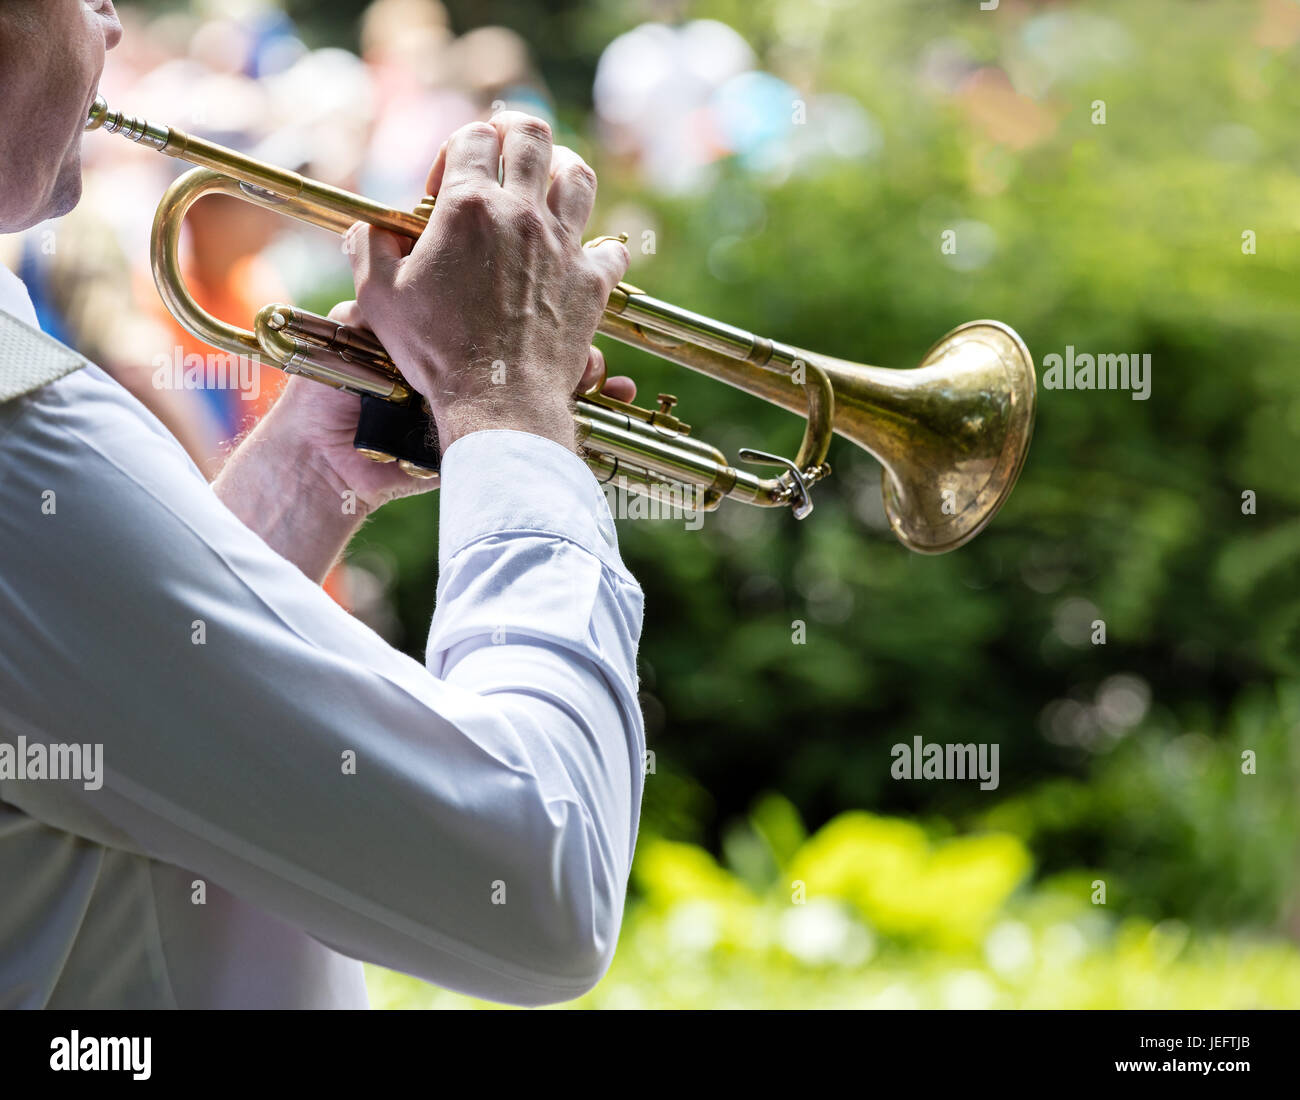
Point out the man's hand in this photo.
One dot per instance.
(326, 418)
(324, 421)
(490, 314)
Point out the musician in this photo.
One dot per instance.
(281, 793)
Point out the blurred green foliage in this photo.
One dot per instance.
(1120, 762)
(897, 919)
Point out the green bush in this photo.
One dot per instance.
(870, 912)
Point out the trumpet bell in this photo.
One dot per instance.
(951, 435)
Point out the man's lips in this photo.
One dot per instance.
(90, 96)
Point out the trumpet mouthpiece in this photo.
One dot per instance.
(98, 113)
(133, 129)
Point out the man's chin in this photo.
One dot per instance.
(67, 190)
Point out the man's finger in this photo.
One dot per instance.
(593, 377)
(473, 156)
(525, 153)
(433, 182)
(620, 388)
(611, 258)
(573, 190)
(375, 255)
(347, 313)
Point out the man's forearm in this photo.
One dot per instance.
(276, 484)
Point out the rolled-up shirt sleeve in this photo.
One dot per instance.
(470, 821)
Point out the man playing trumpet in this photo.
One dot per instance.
(281, 793)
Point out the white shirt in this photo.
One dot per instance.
(483, 842)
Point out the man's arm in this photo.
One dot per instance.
(257, 735)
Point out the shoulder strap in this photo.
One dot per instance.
(29, 359)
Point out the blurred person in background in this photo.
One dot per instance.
(675, 101)
(428, 81)
(406, 46)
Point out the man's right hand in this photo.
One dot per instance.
(490, 314)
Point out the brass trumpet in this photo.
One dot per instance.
(951, 435)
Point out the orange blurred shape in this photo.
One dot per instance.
(1279, 24)
(1001, 113)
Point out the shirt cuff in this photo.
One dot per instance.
(499, 481)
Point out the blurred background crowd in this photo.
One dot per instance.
(1117, 178)
(670, 99)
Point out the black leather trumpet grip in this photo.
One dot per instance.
(403, 431)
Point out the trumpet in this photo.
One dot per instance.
(951, 435)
